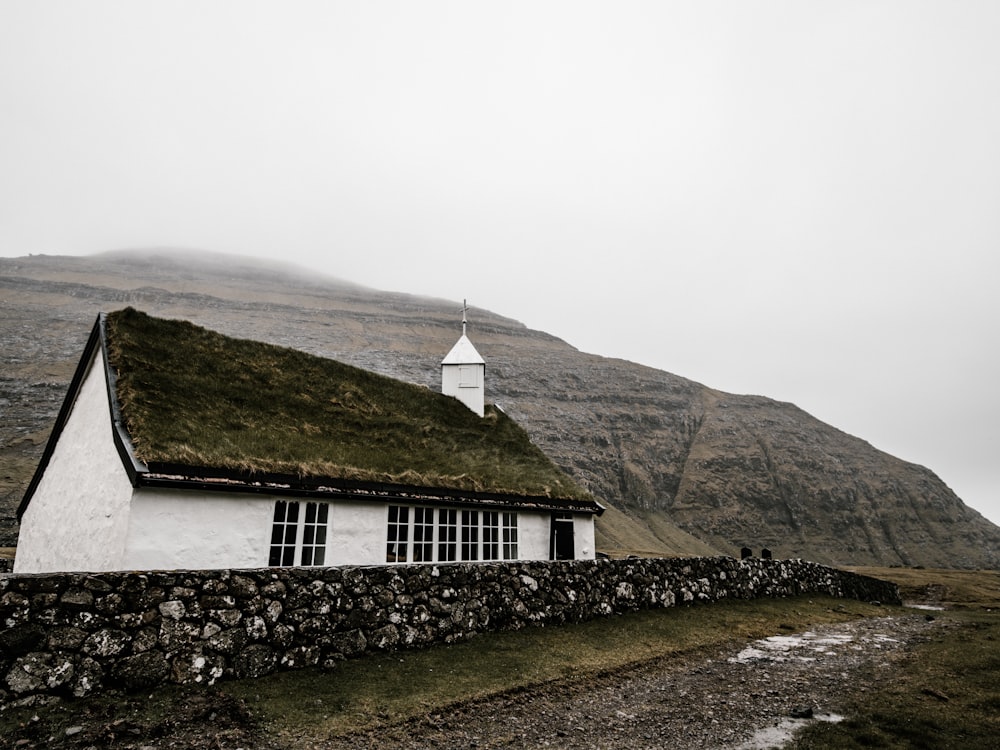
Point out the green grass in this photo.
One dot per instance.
(197, 398)
(955, 588)
(947, 695)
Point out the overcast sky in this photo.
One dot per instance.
(795, 199)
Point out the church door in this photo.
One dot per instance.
(561, 543)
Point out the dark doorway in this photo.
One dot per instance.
(561, 545)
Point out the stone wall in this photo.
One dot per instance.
(78, 634)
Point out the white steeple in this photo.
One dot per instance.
(463, 372)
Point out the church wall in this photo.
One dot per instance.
(535, 535)
(172, 529)
(84, 494)
(583, 537)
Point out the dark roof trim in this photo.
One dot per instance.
(193, 478)
(326, 492)
(64, 411)
(123, 442)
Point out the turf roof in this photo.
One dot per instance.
(193, 397)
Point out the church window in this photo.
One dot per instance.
(397, 538)
(423, 535)
(447, 535)
(509, 536)
(470, 535)
(491, 535)
(297, 537)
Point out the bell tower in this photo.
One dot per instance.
(463, 371)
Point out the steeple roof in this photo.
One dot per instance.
(463, 353)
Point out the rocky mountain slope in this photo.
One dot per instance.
(683, 468)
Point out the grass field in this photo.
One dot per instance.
(948, 694)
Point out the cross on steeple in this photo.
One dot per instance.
(463, 370)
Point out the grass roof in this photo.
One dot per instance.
(194, 397)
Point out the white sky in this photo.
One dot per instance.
(795, 199)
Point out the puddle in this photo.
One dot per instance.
(805, 647)
(799, 647)
(783, 732)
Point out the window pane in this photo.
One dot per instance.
(283, 534)
(397, 534)
(447, 535)
(491, 535)
(510, 536)
(314, 534)
(470, 535)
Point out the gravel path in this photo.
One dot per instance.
(742, 697)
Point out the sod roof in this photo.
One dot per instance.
(192, 397)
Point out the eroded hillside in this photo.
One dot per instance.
(683, 468)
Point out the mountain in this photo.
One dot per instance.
(683, 468)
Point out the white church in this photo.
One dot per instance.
(112, 492)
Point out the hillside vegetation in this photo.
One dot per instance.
(683, 468)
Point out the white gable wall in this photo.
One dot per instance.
(78, 515)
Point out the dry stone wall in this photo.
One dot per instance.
(78, 634)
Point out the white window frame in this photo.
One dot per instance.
(398, 534)
(422, 534)
(299, 534)
(508, 535)
(447, 535)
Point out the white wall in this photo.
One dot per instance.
(357, 534)
(171, 529)
(583, 536)
(78, 516)
(473, 397)
(534, 533)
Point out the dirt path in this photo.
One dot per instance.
(742, 697)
